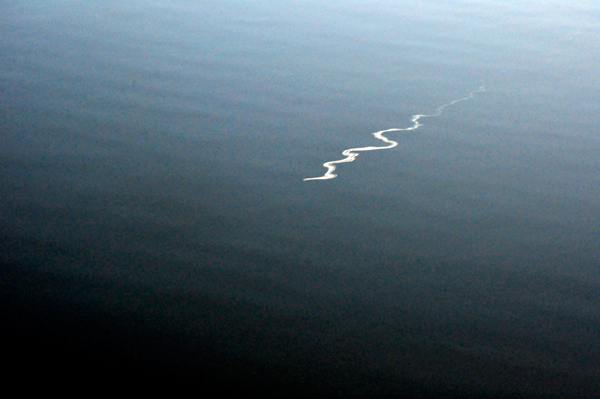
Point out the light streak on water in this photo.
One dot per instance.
(352, 153)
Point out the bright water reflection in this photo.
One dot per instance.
(352, 153)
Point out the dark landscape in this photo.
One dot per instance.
(301, 199)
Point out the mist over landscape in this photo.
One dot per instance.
(303, 198)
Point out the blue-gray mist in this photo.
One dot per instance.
(153, 157)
